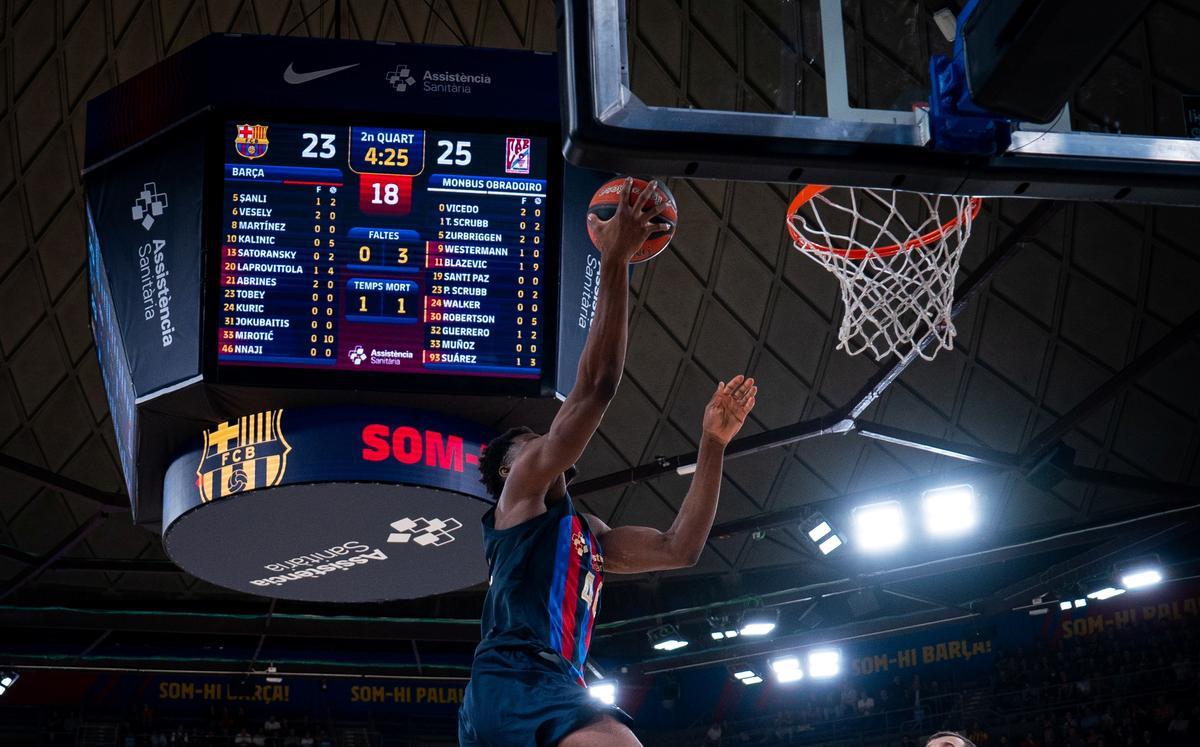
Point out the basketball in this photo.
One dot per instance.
(604, 206)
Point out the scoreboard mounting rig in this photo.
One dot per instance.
(414, 252)
(309, 239)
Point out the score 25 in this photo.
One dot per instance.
(454, 152)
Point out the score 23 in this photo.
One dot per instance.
(319, 145)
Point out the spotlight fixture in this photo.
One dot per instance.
(722, 628)
(818, 529)
(7, 679)
(1140, 572)
(830, 544)
(759, 621)
(272, 675)
(1080, 603)
(666, 638)
(949, 511)
(787, 669)
(1108, 592)
(1064, 606)
(1137, 578)
(824, 663)
(747, 677)
(879, 526)
(604, 691)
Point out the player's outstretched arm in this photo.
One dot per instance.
(603, 356)
(642, 549)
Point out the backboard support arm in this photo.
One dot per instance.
(606, 126)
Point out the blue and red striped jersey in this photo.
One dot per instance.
(544, 585)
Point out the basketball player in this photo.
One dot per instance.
(547, 560)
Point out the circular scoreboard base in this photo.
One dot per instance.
(334, 542)
(330, 504)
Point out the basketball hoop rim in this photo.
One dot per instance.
(804, 244)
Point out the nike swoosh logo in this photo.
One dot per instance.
(295, 78)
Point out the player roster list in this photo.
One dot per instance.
(383, 249)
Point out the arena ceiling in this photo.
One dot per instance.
(1081, 336)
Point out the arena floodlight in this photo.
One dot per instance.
(949, 511)
(787, 669)
(759, 621)
(824, 663)
(1064, 605)
(666, 638)
(829, 545)
(722, 628)
(7, 679)
(604, 691)
(879, 527)
(1108, 592)
(747, 677)
(1137, 578)
(1080, 603)
(1037, 606)
(755, 680)
(818, 529)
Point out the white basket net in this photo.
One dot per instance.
(895, 254)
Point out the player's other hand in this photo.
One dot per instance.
(622, 235)
(728, 408)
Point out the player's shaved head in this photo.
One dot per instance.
(949, 739)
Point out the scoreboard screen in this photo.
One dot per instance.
(385, 250)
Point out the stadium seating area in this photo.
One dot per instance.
(1116, 688)
(1135, 686)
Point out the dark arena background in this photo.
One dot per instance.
(239, 501)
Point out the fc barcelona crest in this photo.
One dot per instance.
(251, 141)
(243, 454)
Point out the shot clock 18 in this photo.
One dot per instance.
(383, 249)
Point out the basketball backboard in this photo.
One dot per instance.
(823, 91)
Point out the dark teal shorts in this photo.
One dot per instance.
(519, 697)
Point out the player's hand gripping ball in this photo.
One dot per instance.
(652, 220)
